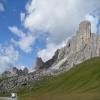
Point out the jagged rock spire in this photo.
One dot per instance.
(84, 31)
(39, 63)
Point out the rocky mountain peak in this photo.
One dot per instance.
(79, 48)
(25, 71)
(39, 63)
(84, 31)
(15, 71)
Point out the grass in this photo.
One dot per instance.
(80, 83)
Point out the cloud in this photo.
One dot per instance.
(1, 7)
(50, 49)
(16, 31)
(8, 57)
(93, 21)
(24, 41)
(59, 18)
(22, 16)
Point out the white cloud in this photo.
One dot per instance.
(49, 51)
(1, 7)
(25, 40)
(22, 67)
(25, 43)
(8, 57)
(22, 16)
(16, 31)
(60, 18)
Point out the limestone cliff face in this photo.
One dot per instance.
(84, 31)
(83, 34)
(84, 45)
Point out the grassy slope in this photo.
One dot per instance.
(80, 83)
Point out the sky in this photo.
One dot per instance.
(37, 28)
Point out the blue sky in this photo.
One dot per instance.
(31, 28)
(11, 16)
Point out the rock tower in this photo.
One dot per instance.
(85, 31)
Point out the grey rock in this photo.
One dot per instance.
(39, 63)
(6, 74)
(25, 71)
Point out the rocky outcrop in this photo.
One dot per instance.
(45, 65)
(14, 72)
(25, 71)
(39, 63)
(6, 74)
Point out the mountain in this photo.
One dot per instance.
(82, 82)
(81, 47)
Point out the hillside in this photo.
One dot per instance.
(80, 83)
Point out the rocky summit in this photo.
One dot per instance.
(81, 47)
(14, 72)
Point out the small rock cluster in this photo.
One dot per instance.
(14, 72)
